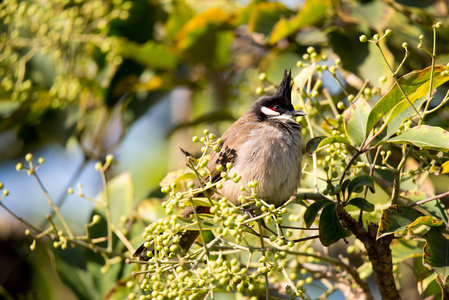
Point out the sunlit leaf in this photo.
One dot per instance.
(445, 168)
(354, 118)
(434, 208)
(264, 15)
(311, 13)
(414, 84)
(301, 79)
(396, 219)
(402, 249)
(152, 54)
(181, 13)
(206, 38)
(120, 193)
(374, 13)
(395, 119)
(423, 136)
(426, 220)
(436, 252)
(333, 140)
(176, 177)
(330, 228)
(151, 209)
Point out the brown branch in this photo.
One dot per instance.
(429, 199)
(379, 253)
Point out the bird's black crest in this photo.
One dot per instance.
(285, 88)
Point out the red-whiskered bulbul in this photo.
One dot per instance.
(263, 145)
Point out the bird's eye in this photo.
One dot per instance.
(276, 107)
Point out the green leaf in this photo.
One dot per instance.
(264, 16)
(396, 219)
(434, 208)
(362, 204)
(445, 168)
(120, 192)
(345, 185)
(355, 118)
(436, 252)
(301, 79)
(363, 180)
(206, 38)
(414, 84)
(313, 12)
(376, 14)
(402, 249)
(150, 54)
(426, 220)
(398, 114)
(71, 267)
(313, 209)
(312, 144)
(176, 177)
(333, 140)
(181, 13)
(330, 228)
(423, 136)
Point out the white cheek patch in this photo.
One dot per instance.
(268, 112)
(285, 117)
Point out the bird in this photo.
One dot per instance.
(263, 145)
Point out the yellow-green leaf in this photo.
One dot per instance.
(444, 168)
(264, 16)
(354, 118)
(313, 12)
(396, 218)
(414, 84)
(427, 137)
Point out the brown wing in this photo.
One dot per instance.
(233, 137)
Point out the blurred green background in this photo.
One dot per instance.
(82, 79)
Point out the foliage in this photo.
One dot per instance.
(376, 138)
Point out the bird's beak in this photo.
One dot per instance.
(297, 113)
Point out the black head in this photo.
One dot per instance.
(279, 105)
